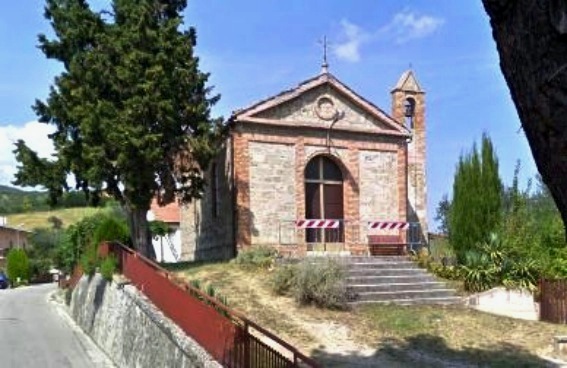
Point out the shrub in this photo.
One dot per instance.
(111, 229)
(422, 257)
(494, 249)
(90, 231)
(211, 291)
(108, 267)
(39, 269)
(446, 272)
(89, 260)
(522, 274)
(283, 279)
(479, 272)
(257, 257)
(440, 248)
(17, 267)
(320, 282)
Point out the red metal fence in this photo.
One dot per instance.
(232, 339)
(553, 301)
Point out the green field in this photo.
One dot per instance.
(32, 220)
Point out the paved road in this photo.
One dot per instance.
(35, 332)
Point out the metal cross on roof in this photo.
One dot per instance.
(325, 65)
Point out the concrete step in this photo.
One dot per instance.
(361, 272)
(412, 278)
(397, 287)
(381, 265)
(377, 259)
(389, 296)
(413, 301)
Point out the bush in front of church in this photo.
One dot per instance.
(319, 282)
(256, 257)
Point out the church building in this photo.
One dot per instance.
(316, 168)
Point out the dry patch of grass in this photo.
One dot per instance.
(248, 292)
(370, 335)
(32, 220)
(457, 333)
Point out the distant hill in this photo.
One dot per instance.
(39, 219)
(14, 200)
(7, 189)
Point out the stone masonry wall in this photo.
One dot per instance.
(263, 151)
(130, 329)
(303, 109)
(272, 186)
(379, 193)
(207, 233)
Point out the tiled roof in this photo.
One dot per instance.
(169, 213)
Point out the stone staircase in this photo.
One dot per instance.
(394, 279)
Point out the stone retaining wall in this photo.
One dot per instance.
(130, 329)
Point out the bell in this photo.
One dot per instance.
(409, 108)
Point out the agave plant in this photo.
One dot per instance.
(521, 274)
(479, 272)
(494, 249)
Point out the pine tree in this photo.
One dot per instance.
(131, 108)
(476, 208)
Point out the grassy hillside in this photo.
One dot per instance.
(4, 189)
(382, 335)
(15, 200)
(33, 220)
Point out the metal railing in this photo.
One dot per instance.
(354, 231)
(231, 338)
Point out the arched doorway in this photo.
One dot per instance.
(324, 198)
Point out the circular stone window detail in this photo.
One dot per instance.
(325, 108)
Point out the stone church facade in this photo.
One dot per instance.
(310, 169)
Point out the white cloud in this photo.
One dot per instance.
(404, 26)
(35, 136)
(353, 36)
(408, 25)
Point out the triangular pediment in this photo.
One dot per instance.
(319, 102)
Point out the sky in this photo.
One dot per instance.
(255, 49)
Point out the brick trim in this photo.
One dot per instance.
(242, 185)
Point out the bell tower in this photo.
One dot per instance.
(408, 108)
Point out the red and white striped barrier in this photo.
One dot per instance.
(317, 224)
(388, 225)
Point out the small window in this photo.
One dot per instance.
(322, 168)
(331, 171)
(312, 170)
(214, 190)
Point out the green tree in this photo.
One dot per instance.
(17, 265)
(131, 108)
(442, 214)
(27, 204)
(476, 207)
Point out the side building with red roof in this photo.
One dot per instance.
(167, 248)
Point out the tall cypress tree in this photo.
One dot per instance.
(477, 205)
(130, 110)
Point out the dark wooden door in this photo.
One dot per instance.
(323, 198)
(313, 210)
(333, 207)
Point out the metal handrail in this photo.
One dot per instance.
(233, 315)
